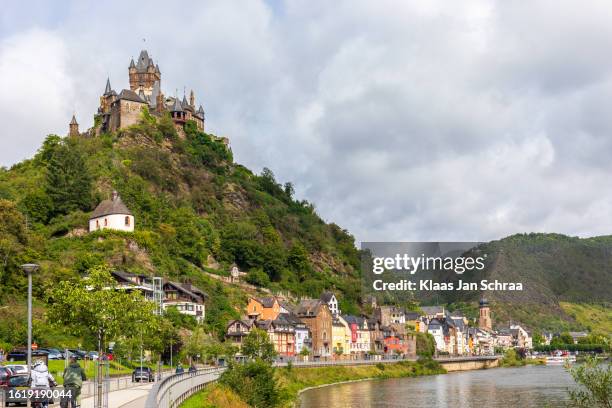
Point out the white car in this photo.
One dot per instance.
(18, 368)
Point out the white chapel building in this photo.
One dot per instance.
(112, 214)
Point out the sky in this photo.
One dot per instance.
(399, 120)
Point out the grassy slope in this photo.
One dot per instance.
(596, 318)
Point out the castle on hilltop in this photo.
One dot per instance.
(123, 109)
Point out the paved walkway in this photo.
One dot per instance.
(129, 398)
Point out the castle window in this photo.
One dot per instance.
(127, 221)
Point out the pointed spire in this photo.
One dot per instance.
(73, 121)
(184, 102)
(108, 88)
(177, 106)
(132, 65)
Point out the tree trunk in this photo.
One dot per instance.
(100, 386)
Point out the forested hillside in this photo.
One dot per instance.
(566, 282)
(196, 211)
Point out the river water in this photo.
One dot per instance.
(525, 387)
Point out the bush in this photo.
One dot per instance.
(254, 381)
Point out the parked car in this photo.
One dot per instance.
(17, 355)
(144, 374)
(53, 354)
(5, 374)
(16, 381)
(17, 369)
(79, 354)
(92, 355)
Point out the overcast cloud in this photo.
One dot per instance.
(400, 120)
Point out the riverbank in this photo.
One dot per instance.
(292, 381)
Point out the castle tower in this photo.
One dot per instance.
(484, 321)
(143, 74)
(192, 99)
(73, 127)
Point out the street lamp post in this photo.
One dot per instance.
(29, 269)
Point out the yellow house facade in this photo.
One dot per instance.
(341, 337)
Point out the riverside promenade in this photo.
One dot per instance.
(156, 394)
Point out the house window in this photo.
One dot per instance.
(127, 221)
(106, 222)
(97, 224)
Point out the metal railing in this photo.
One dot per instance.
(172, 391)
(115, 384)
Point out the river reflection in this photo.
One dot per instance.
(531, 386)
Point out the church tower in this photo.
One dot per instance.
(73, 127)
(484, 321)
(143, 74)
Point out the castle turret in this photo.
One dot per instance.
(192, 99)
(177, 112)
(73, 127)
(200, 118)
(143, 74)
(108, 89)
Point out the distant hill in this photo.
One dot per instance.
(559, 273)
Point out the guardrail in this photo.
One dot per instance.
(172, 391)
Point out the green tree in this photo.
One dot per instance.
(194, 347)
(68, 180)
(94, 308)
(255, 382)
(298, 261)
(257, 345)
(13, 241)
(595, 381)
(562, 340)
(537, 338)
(425, 344)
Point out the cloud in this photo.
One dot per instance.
(399, 120)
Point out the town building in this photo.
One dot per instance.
(281, 333)
(186, 298)
(332, 302)
(341, 337)
(266, 308)
(112, 214)
(433, 312)
(302, 333)
(360, 335)
(318, 318)
(521, 337)
(123, 109)
(237, 330)
(377, 339)
(390, 314)
(578, 335)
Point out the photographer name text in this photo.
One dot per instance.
(430, 285)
